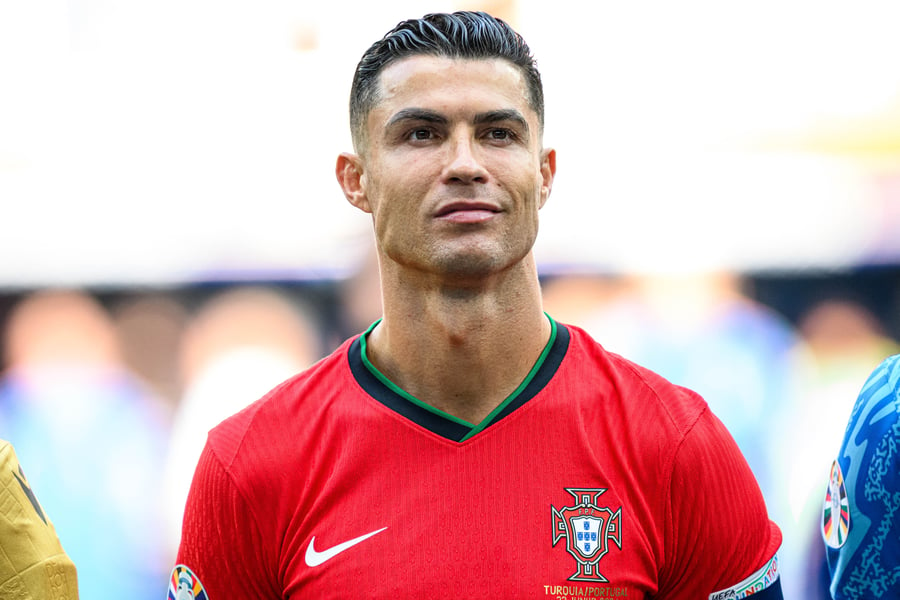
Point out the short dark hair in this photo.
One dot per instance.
(462, 34)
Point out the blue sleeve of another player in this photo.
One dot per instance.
(861, 515)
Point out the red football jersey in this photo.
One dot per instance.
(596, 478)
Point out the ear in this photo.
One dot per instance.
(548, 172)
(349, 172)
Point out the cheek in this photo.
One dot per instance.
(399, 173)
(523, 175)
(394, 209)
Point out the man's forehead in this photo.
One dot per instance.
(419, 78)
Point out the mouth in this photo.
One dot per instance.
(467, 212)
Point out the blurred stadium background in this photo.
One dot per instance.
(726, 210)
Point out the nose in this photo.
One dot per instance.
(464, 164)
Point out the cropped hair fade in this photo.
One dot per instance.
(463, 35)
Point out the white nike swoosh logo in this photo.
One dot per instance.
(315, 558)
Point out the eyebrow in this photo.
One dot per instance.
(416, 114)
(430, 116)
(495, 116)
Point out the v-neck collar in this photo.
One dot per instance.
(382, 389)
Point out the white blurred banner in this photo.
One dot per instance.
(168, 141)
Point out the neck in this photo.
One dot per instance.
(463, 350)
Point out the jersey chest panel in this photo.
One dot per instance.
(587, 490)
(521, 511)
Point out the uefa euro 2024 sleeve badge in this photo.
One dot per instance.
(184, 585)
(588, 530)
(836, 511)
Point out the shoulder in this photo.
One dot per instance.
(240, 482)
(299, 397)
(285, 415)
(648, 419)
(630, 387)
(876, 411)
(858, 523)
(710, 514)
(9, 466)
(7, 456)
(882, 386)
(27, 537)
(875, 415)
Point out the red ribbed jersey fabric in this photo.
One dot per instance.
(598, 479)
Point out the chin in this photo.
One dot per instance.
(475, 265)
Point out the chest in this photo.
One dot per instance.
(525, 514)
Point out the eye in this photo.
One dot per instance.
(421, 134)
(500, 134)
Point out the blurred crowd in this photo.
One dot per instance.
(108, 397)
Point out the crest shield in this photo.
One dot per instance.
(587, 534)
(588, 530)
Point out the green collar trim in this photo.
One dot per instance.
(473, 428)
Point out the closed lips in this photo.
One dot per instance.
(466, 206)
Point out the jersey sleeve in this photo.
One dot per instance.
(719, 541)
(33, 563)
(860, 527)
(221, 550)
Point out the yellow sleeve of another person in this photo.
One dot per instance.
(33, 564)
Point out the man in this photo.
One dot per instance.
(860, 522)
(33, 564)
(466, 445)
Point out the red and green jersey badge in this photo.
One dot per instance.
(588, 530)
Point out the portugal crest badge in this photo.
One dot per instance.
(588, 530)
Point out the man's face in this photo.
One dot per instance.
(454, 172)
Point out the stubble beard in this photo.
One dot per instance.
(469, 265)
